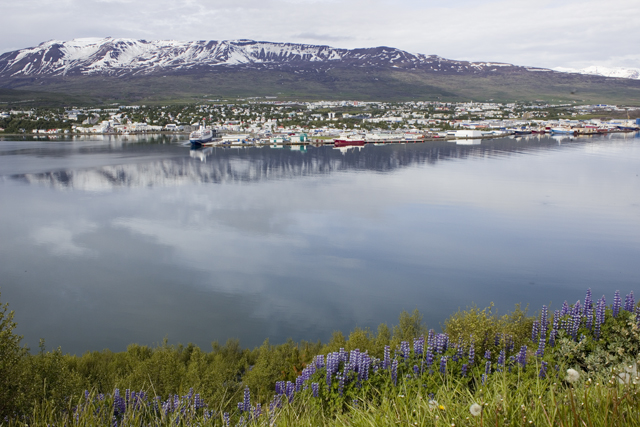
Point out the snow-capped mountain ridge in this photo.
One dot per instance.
(113, 56)
(594, 70)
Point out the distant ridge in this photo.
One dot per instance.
(121, 57)
(108, 70)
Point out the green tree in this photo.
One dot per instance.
(11, 356)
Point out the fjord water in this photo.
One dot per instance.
(107, 241)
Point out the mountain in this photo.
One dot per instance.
(127, 70)
(127, 57)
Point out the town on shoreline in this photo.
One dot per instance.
(273, 121)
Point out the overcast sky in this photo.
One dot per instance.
(543, 33)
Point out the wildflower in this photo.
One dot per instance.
(433, 404)
(543, 370)
(616, 304)
(394, 372)
(475, 409)
(572, 375)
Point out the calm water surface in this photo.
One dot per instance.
(109, 241)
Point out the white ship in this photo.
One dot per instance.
(201, 136)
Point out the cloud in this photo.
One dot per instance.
(566, 33)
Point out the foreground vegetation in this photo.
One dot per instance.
(576, 366)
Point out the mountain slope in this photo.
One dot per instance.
(126, 70)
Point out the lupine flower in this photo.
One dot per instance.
(416, 370)
(472, 353)
(418, 346)
(544, 322)
(394, 372)
(404, 349)
(429, 357)
(496, 340)
(535, 330)
(443, 365)
(315, 387)
(247, 399)
(616, 303)
(501, 358)
(629, 302)
(638, 315)
(387, 359)
(565, 309)
(600, 312)
(543, 370)
(465, 367)
(541, 345)
(487, 368)
(290, 389)
(258, 411)
(226, 419)
(487, 354)
(522, 356)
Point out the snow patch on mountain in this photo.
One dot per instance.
(594, 70)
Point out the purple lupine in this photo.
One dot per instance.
(394, 372)
(638, 315)
(416, 370)
(299, 383)
(496, 340)
(575, 323)
(443, 365)
(601, 307)
(119, 406)
(315, 388)
(258, 411)
(522, 356)
(544, 322)
(472, 354)
(342, 355)
(226, 419)
(616, 304)
(565, 309)
(289, 390)
(319, 361)
(386, 363)
(501, 359)
(543, 370)
(535, 330)
(487, 367)
(418, 346)
(247, 399)
(465, 367)
(541, 345)
(460, 352)
(629, 302)
(487, 354)
(340, 378)
(431, 338)
(405, 350)
(429, 357)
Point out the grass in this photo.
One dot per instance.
(482, 360)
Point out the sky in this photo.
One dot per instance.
(542, 33)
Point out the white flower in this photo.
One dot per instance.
(433, 404)
(572, 375)
(475, 409)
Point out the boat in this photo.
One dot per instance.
(349, 140)
(201, 136)
(563, 131)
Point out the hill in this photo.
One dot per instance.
(124, 70)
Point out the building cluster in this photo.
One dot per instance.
(263, 116)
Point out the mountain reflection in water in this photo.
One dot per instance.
(252, 164)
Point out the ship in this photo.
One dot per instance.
(349, 140)
(201, 136)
